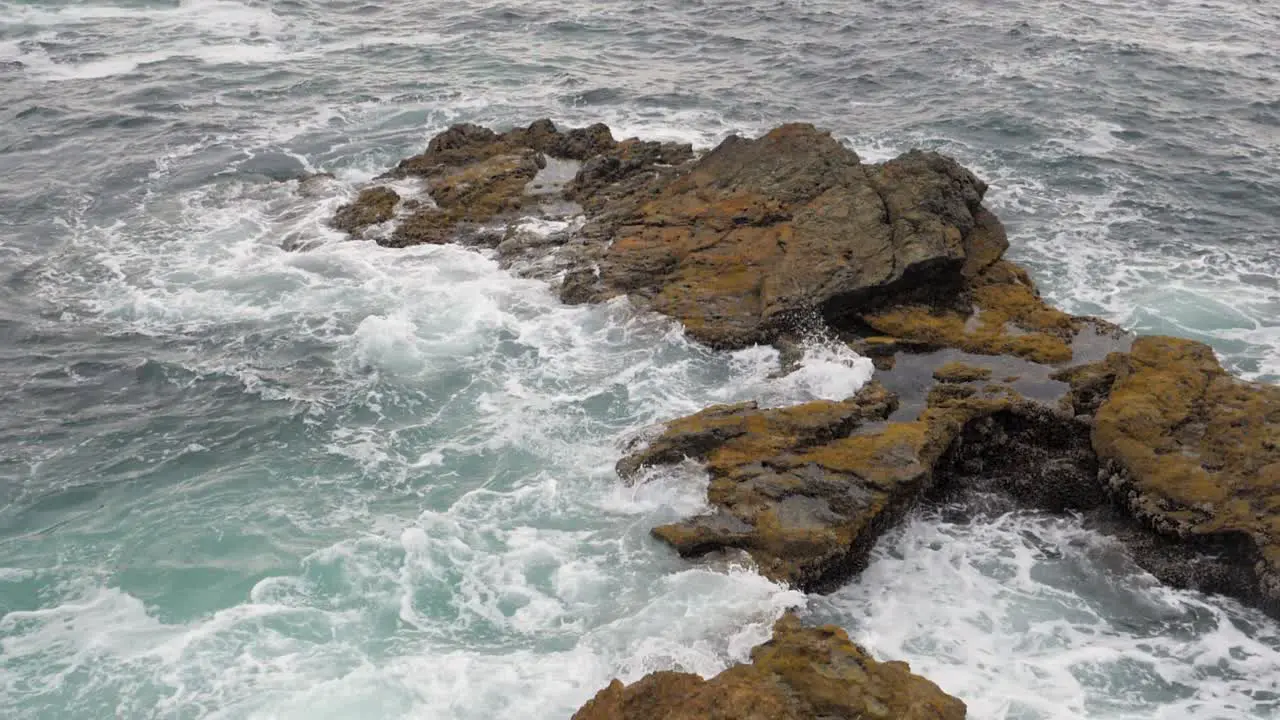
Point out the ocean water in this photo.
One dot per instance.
(243, 481)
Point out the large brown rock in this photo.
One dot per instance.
(801, 674)
(807, 490)
(761, 233)
(474, 193)
(1194, 454)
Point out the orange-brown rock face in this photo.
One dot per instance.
(760, 233)
(801, 674)
(1195, 454)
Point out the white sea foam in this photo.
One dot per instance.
(1030, 617)
(514, 596)
(191, 29)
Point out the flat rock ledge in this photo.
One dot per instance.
(982, 386)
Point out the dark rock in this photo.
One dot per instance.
(582, 143)
(473, 175)
(625, 170)
(311, 184)
(424, 227)
(458, 146)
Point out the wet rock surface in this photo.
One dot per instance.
(807, 490)
(800, 673)
(372, 206)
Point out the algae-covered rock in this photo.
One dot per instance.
(958, 372)
(758, 234)
(800, 674)
(372, 206)
(1194, 453)
(807, 490)
(472, 194)
(472, 175)
(995, 311)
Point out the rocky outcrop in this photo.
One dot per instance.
(472, 176)
(801, 673)
(807, 490)
(759, 234)
(982, 386)
(1194, 453)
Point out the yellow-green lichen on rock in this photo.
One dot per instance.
(996, 312)
(802, 673)
(806, 490)
(1195, 452)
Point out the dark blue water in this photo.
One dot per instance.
(240, 481)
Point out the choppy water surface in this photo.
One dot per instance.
(238, 481)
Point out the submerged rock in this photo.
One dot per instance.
(958, 372)
(801, 673)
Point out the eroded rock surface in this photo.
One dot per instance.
(760, 233)
(800, 674)
(807, 490)
(1194, 453)
(472, 176)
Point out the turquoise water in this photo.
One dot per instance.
(242, 481)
